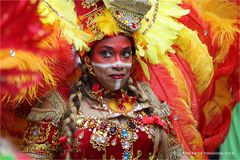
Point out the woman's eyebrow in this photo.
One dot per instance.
(127, 48)
(108, 47)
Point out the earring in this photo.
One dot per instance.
(88, 65)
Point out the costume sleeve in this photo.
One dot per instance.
(162, 115)
(43, 129)
(173, 147)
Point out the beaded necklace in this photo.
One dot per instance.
(117, 103)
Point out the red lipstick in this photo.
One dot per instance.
(117, 76)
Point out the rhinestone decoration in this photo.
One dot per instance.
(105, 133)
(35, 132)
(126, 155)
(81, 135)
(135, 136)
(12, 53)
(142, 128)
(124, 133)
(205, 32)
(175, 117)
(131, 125)
(113, 130)
(114, 142)
(126, 21)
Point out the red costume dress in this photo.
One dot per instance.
(102, 138)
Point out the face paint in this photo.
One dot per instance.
(116, 64)
(117, 77)
(112, 61)
(118, 85)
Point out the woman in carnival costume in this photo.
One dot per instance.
(145, 85)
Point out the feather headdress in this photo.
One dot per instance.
(154, 33)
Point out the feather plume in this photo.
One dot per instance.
(167, 90)
(234, 82)
(106, 18)
(191, 96)
(30, 67)
(222, 17)
(212, 140)
(10, 76)
(63, 61)
(20, 25)
(161, 35)
(217, 113)
(63, 15)
(230, 64)
(196, 55)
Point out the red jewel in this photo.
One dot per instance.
(95, 87)
(121, 107)
(100, 93)
(134, 26)
(134, 99)
(126, 98)
(117, 12)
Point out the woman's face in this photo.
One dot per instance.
(111, 59)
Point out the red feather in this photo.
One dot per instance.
(7, 87)
(190, 79)
(216, 131)
(20, 25)
(164, 87)
(231, 62)
(193, 21)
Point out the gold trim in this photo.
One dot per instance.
(57, 102)
(38, 150)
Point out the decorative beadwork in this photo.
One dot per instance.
(126, 21)
(105, 133)
(128, 14)
(153, 19)
(89, 3)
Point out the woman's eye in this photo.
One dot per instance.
(106, 54)
(126, 54)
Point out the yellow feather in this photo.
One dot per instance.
(196, 54)
(220, 100)
(106, 18)
(144, 67)
(160, 37)
(182, 86)
(25, 61)
(222, 16)
(64, 16)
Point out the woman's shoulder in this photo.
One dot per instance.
(51, 106)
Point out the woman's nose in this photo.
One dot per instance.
(118, 66)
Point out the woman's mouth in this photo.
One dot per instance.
(117, 76)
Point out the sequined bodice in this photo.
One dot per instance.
(102, 139)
